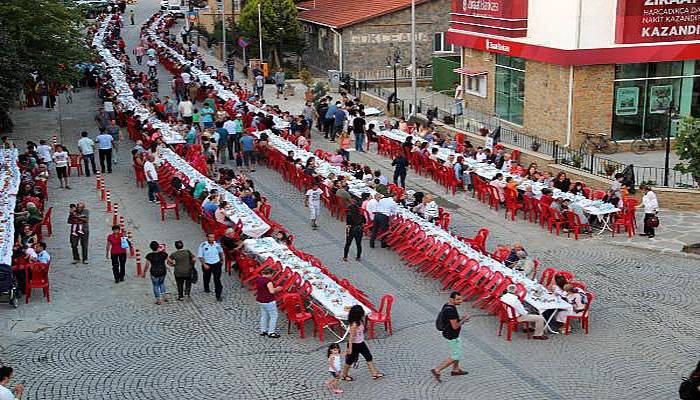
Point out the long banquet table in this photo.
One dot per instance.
(9, 186)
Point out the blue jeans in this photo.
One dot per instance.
(359, 141)
(158, 286)
(268, 317)
(458, 107)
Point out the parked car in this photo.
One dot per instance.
(176, 10)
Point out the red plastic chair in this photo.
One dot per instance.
(624, 219)
(322, 320)
(556, 221)
(567, 275)
(297, 314)
(598, 194)
(510, 321)
(583, 317)
(478, 242)
(46, 222)
(383, 315)
(512, 205)
(501, 253)
(75, 162)
(579, 285)
(576, 226)
(37, 277)
(531, 210)
(547, 276)
(165, 206)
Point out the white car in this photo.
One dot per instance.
(177, 10)
(164, 5)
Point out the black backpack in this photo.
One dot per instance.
(440, 322)
(688, 389)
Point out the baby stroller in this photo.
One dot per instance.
(8, 286)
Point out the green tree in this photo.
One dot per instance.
(43, 36)
(687, 147)
(281, 31)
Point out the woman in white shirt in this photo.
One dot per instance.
(651, 206)
(431, 211)
(61, 158)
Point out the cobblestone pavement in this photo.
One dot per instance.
(100, 340)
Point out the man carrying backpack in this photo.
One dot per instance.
(450, 324)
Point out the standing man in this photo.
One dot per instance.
(260, 85)
(400, 164)
(139, 52)
(183, 34)
(231, 131)
(312, 200)
(115, 132)
(449, 322)
(279, 82)
(329, 119)
(104, 148)
(186, 109)
(210, 255)
(149, 169)
(231, 66)
(386, 208)
(248, 147)
(339, 118)
(44, 152)
(87, 149)
(358, 128)
(459, 100)
(183, 262)
(131, 18)
(80, 236)
(353, 230)
(5, 393)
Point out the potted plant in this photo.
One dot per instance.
(576, 160)
(609, 168)
(308, 81)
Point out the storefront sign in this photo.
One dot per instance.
(651, 21)
(377, 38)
(660, 99)
(506, 18)
(627, 101)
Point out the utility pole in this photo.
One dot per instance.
(223, 33)
(414, 87)
(260, 32)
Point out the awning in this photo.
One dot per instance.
(469, 72)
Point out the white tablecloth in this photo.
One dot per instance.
(327, 292)
(253, 225)
(9, 186)
(488, 171)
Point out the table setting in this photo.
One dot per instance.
(10, 181)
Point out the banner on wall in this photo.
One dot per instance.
(660, 98)
(651, 21)
(627, 101)
(505, 18)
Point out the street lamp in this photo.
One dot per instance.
(668, 143)
(393, 59)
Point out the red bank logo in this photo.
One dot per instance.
(480, 5)
(497, 46)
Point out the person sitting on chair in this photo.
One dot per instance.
(521, 314)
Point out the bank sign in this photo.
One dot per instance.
(651, 21)
(506, 18)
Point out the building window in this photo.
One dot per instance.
(440, 44)
(645, 92)
(475, 85)
(510, 88)
(321, 35)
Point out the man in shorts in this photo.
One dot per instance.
(313, 202)
(451, 325)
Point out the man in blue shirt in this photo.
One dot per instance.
(329, 119)
(339, 122)
(104, 147)
(210, 205)
(42, 255)
(211, 254)
(248, 147)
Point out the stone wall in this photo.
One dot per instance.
(320, 59)
(546, 100)
(593, 100)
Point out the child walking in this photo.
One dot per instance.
(334, 368)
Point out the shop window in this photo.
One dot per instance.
(476, 85)
(644, 93)
(510, 88)
(440, 44)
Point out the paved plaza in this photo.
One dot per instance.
(101, 340)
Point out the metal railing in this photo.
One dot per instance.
(605, 167)
(356, 86)
(387, 74)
